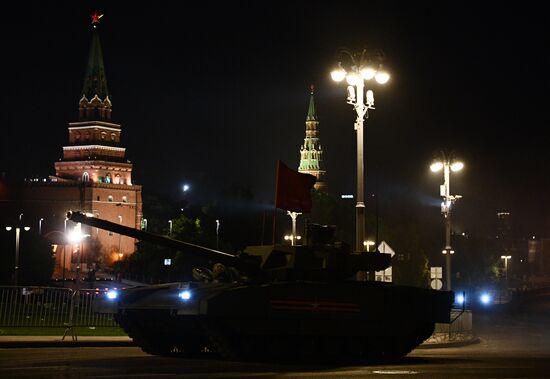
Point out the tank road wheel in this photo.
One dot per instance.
(191, 345)
(235, 346)
(150, 344)
(155, 345)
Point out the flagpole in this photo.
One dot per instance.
(275, 202)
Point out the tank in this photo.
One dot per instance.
(278, 302)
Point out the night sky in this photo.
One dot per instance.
(213, 95)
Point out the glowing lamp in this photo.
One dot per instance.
(436, 166)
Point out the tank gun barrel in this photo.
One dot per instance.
(156, 239)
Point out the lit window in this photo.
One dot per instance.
(124, 199)
(110, 199)
(85, 177)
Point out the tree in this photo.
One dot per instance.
(36, 260)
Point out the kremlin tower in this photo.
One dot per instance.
(92, 176)
(311, 153)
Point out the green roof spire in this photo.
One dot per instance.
(311, 116)
(95, 82)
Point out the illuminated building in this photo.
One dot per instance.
(92, 176)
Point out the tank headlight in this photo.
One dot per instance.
(112, 295)
(185, 295)
(485, 298)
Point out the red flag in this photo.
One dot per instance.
(293, 189)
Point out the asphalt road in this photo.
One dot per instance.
(475, 361)
(513, 345)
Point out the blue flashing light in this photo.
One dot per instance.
(112, 295)
(485, 298)
(460, 299)
(185, 295)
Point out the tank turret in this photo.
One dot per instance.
(321, 258)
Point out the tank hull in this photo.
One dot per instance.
(365, 320)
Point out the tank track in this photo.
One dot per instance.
(234, 345)
(155, 342)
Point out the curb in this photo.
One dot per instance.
(470, 341)
(125, 343)
(51, 342)
(33, 344)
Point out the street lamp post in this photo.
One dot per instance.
(506, 257)
(17, 236)
(76, 237)
(448, 164)
(119, 235)
(64, 244)
(170, 228)
(217, 233)
(362, 66)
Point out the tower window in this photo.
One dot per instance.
(124, 199)
(110, 198)
(85, 177)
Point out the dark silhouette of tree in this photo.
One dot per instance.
(36, 260)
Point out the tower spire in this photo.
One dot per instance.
(311, 116)
(311, 153)
(95, 102)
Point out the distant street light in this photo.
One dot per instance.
(292, 239)
(361, 66)
(368, 244)
(186, 187)
(17, 234)
(448, 164)
(145, 224)
(76, 237)
(170, 228)
(506, 257)
(40, 226)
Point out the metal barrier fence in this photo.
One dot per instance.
(460, 326)
(91, 308)
(35, 306)
(54, 307)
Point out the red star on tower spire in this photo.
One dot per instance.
(95, 18)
